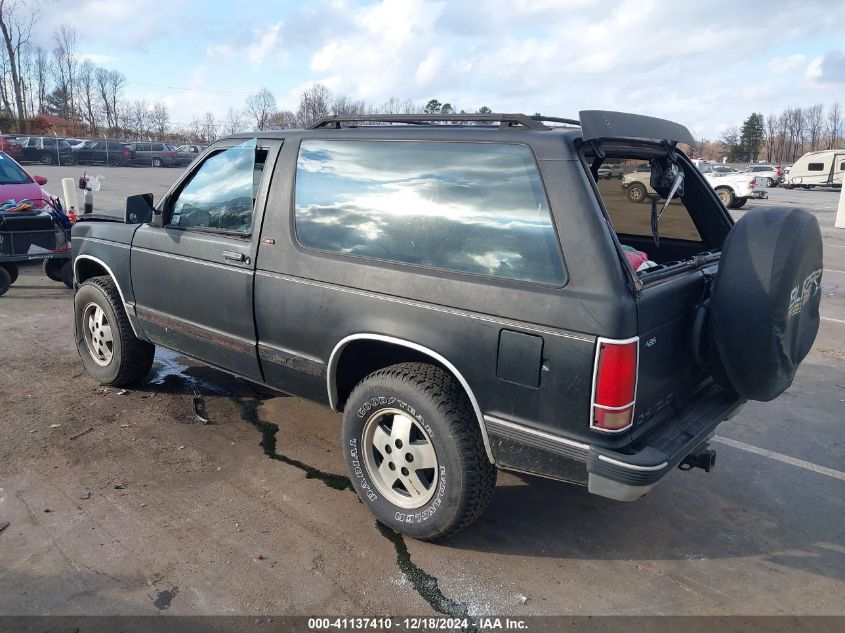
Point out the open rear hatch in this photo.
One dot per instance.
(668, 251)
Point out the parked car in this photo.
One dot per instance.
(818, 169)
(47, 150)
(157, 154)
(772, 173)
(610, 170)
(191, 149)
(464, 297)
(732, 189)
(723, 169)
(18, 185)
(104, 152)
(11, 146)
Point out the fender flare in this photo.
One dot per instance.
(334, 358)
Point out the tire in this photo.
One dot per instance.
(770, 182)
(47, 158)
(738, 203)
(637, 192)
(120, 361)
(726, 196)
(53, 268)
(764, 304)
(12, 269)
(66, 273)
(5, 281)
(157, 162)
(437, 419)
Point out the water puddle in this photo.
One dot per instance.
(173, 375)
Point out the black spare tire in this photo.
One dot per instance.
(764, 306)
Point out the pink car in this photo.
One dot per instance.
(16, 183)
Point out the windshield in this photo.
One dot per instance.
(11, 174)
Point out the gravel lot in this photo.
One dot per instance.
(121, 502)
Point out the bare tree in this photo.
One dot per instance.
(814, 118)
(138, 117)
(115, 83)
(395, 105)
(314, 104)
(259, 107)
(282, 120)
(834, 125)
(42, 76)
(771, 136)
(66, 60)
(159, 119)
(234, 121)
(209, 128)
(87, 92)
(16, 29)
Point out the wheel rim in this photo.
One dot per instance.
(400, 458)
(98, 334)
(636, 193)
(724, 197)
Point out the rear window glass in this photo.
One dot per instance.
(468, 207)
(628, 203)
(815, 167)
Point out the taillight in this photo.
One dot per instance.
(752, 183)
(614, 384)
(170, 154)
(126, 153)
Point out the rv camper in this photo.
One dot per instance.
(817, 169)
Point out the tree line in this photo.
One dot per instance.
(779, 137)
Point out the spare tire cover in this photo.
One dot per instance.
(764, 305)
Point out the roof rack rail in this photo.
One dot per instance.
(556, 119)
(504, 120)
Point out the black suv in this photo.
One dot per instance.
(470, 295)
(47, 150)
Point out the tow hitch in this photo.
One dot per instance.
(705, 459)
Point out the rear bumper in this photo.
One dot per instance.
(628, 476)
(624, 476)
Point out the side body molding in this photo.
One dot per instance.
(130, 308)
(335, 357)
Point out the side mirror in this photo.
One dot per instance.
(139, 209)
(41, 180)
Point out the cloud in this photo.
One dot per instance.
(783, 64)
(831, 68)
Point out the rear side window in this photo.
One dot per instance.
(468, 207)
(815, 167)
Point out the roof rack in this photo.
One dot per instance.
(504, 120)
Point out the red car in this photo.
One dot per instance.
(10, 145)
(16, 183)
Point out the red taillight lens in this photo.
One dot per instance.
(126, 153)
(170, 154)
(615, 385)
(752, 183)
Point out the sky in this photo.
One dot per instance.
(704, 64)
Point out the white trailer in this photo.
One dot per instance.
(817, 169)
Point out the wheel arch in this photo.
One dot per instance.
(87, 266)
(341, 377)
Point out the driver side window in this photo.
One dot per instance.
(221, 193)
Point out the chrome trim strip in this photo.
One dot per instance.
(633, 404)
(554, 438)
(615, 462)
(114, 279)
(335, 356)
(420, 304)
(193, 260)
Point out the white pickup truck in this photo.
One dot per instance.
(733, 189)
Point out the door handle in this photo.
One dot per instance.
(232, 256)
